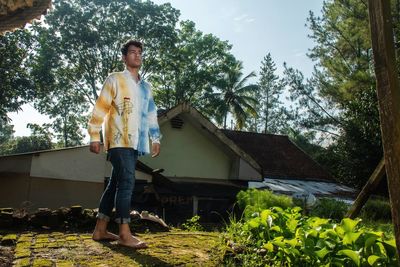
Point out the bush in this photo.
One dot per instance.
(254, 200)
(377, 209)
(192, 224)
(287, 238)
(330, 208)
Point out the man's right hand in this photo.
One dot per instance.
(95, 147)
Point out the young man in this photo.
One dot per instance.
(127, 106)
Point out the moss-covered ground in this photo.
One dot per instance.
(174, 248)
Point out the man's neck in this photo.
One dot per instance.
(134, 72)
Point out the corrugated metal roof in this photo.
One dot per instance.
(317, 188)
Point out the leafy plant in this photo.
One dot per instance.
(287, 238)
(192, 224)
(376, 209)
(330, 208)
(254, 200)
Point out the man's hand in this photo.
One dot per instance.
(95, 147)
(155, 147)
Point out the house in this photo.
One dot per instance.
(55, 178)
(200, 170)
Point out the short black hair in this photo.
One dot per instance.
(125, 46)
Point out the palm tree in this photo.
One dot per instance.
(235, 97)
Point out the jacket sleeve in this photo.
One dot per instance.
(100, 110)
(152, 120)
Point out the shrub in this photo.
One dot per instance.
(192, 224)
(255, 200)
(330, 208)
(377, 209)
(286, 238)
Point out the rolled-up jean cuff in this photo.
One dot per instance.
(122, 220)
(102, 216)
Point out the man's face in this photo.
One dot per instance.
(133, 57)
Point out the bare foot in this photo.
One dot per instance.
(132, 242)
(104, 236)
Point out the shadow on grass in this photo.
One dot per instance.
(136, 255)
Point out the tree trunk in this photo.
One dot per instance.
(389, 98)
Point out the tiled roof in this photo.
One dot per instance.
(278, 156)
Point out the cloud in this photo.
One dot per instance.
(240, 20)
(244, 18)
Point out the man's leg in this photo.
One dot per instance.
(123, 195)
(105, 208)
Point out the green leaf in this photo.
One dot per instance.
(322, 253)
(353, 255)
(348, 224)
(269, 246)
(372, 259)
(328, 233)
(292, 224)
(382, 249)
(279, 242)
(340, 231)
(264, 215)
(292, 242)
(276, 228)
(350, 238)
(254, 223)
(370, 241)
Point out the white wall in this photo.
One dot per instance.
(188, 152)
(75, 164)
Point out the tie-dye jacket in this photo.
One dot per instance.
(129, 112)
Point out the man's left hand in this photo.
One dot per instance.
(155, 147)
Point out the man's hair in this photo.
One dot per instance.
(125, 46)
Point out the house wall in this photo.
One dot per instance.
(16, 164)
(187, 152)
(19, 191)
(55, 193)
(77, 164)
(14, 189)
(247, 172)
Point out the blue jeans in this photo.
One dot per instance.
(119, 190)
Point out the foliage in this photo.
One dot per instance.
(255, 200)
(192, 224)
(344, 78)
(235, 97)
(15, 87)
(78, 45)
(191, 68)
(286, 238)
(330, 208)
(376, 209)
(272, 116)
(26, 144)
(6, 131)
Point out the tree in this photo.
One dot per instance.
(272, 114)
(344, 77)
(6, 131)
(79, 45)
(39, 140)
(234, 96)
(15, 86)
(191, 68)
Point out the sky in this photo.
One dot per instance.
(254, 28)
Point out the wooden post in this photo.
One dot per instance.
(367, 190)
(389, 100)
